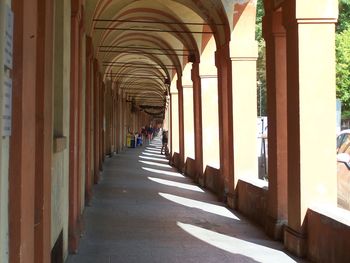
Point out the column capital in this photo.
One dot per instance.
(244, 50)
(309, 12)
(206, 76)
(272, 25)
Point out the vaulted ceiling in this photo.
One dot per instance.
(142, 44)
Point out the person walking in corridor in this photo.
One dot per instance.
(164, 143)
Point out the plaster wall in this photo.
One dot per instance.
(188, 110)
(210, 110)
(188, 121)
(210, 120)
(244, 53)
(245, 119)
(175, 122)
(4, 152)
(60, 160)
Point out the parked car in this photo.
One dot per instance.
(343, 169)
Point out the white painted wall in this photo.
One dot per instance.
(60, 160)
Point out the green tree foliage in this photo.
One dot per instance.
(343, 68)
(344, 16)
(261, 63)
(343, 56)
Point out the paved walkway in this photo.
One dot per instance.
(144, 211)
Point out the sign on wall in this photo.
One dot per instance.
(7, 106)
(8, 38)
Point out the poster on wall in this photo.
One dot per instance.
(7, 106)
(8, 38)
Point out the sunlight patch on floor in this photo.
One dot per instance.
(154, 159)
(154, 154)
(234, 245)
(210, 208)
(152, 151)
(155, 164)
(176, 184)
(163, 172)
(153, 148)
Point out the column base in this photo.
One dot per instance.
(73, 241)
(88, 198)
(201, 181)
(232, 200)
(295, 242)
(275, 228)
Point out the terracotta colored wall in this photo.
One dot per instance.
(252, 198)
(328, 239)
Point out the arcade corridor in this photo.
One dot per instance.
(81, 78)
(145, 211)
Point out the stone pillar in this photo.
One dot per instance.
(123, 112)
(197, 107)
(120, 119)
(276, 75)
(223, 64)
(174, 139)
(44, 125)
(244, 53)
(102, 123)
(88, 119)
(75, 128)
(311, 113)
(96, 121)
(23, 137)
(188, 113)
(181, 121)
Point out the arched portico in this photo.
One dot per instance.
(117, 66)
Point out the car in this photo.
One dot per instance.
(343, 169)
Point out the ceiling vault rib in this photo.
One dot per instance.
(135, 67)
(134, 74)
(144, 47)
(156, 22)
(137, 64)
(153, 30)
(142, 52)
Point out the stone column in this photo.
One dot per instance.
(44, 132)
(102, 121)
(276, 75)
(174, 139)
(181, 122)
(311, 113)
(96, 122)
(188, 112)
(223, 64)
(89, 63)
(197, 107)
(23, 138)
(74, 135)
